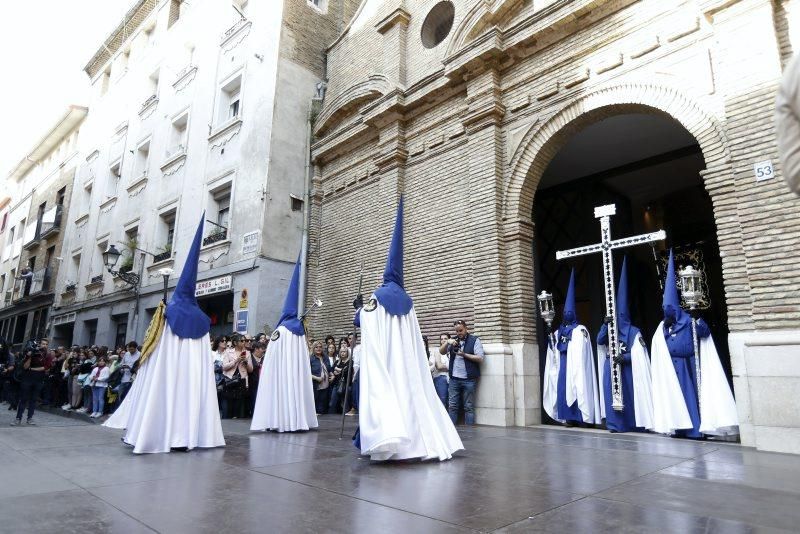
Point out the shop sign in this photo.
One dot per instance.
(213, 285)
(250, 242)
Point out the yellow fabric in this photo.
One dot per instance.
(153, 334)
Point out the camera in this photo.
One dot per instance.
(455, 345)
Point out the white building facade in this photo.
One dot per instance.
(186, 117)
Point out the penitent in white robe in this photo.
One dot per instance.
(285, 400)
(718, 415)
(642, 386)
(581, 383)
(173, 401)
(400, 415)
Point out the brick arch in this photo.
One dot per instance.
(543, 141)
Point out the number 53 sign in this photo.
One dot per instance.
(763, 170)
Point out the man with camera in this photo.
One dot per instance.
(466, 354)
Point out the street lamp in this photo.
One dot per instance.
(110, 258)
(165, 272)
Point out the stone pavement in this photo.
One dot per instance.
(66, 475)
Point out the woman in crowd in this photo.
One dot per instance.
(218, 348)
(439, 365)
(319, 374)
(339, 378)
(237, 360)
(98, 380)
(258, 361)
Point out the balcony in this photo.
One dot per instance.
(30, 239)
(215, 237)
(40, 283)
(163, 256)
(230, 32)
(51, 222)
(21, 288)
(96, 280)
(71, 287)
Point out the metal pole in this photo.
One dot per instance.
(166, 283)
(137, 289)
(301, 298)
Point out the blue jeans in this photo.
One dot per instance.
(124, 387)
(98, 399)
(440, 383)
(461, 390)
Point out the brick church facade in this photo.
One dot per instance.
(462, 105)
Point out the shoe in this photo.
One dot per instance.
(31, 422)
(16, 422)
(351, 412)
(83, 410)
(66, 407)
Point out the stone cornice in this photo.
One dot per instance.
(397, 17)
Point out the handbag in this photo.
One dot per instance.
(234, 387)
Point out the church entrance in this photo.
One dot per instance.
(648, 165)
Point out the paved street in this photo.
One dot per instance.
(70, 476)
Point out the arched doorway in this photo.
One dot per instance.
(683, 139)
(649, 166)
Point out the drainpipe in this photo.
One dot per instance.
(301, 305)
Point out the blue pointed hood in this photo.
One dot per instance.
(391, 294)
(569, 318)
(671, 305)
(184, 316)
(623, 310)
(289, 319)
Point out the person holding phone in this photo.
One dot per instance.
(237, 359)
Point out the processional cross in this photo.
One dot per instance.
(605, 246)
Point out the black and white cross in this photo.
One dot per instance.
(605, 246)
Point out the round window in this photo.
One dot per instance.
(438, 24)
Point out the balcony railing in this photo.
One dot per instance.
(215, 237)
(40, 283)
(69, 288)
(167, 254)
(96, 279)
(51, 222)
(233, 29)
(149, 100)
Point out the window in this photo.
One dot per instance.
(165, 235)
(178, 135)
(39, 216)
(97, 262)
(86, 199)
(103, 80)
(142, 157)
(60, 196)
(11, 235)
(219, 213)
(321, 5)
(230, 99)
(437, 24)
(149, 35)
(3, 222)
(74, 270)
(2, 283)
(114, 174)
(152, 83)
(128, 256)
(297, 203)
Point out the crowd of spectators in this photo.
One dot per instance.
(95, 380)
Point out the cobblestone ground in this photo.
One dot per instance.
(67, 475)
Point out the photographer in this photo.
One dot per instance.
(129, 358)
(466, 354)
(237, 361)
(31, 381)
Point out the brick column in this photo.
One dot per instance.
(394, 28)
(495, 400)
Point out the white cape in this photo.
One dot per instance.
(285, 398)
(400, 415)
(581, 385)
(718, 414)
(642, 385)
(173, 401)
